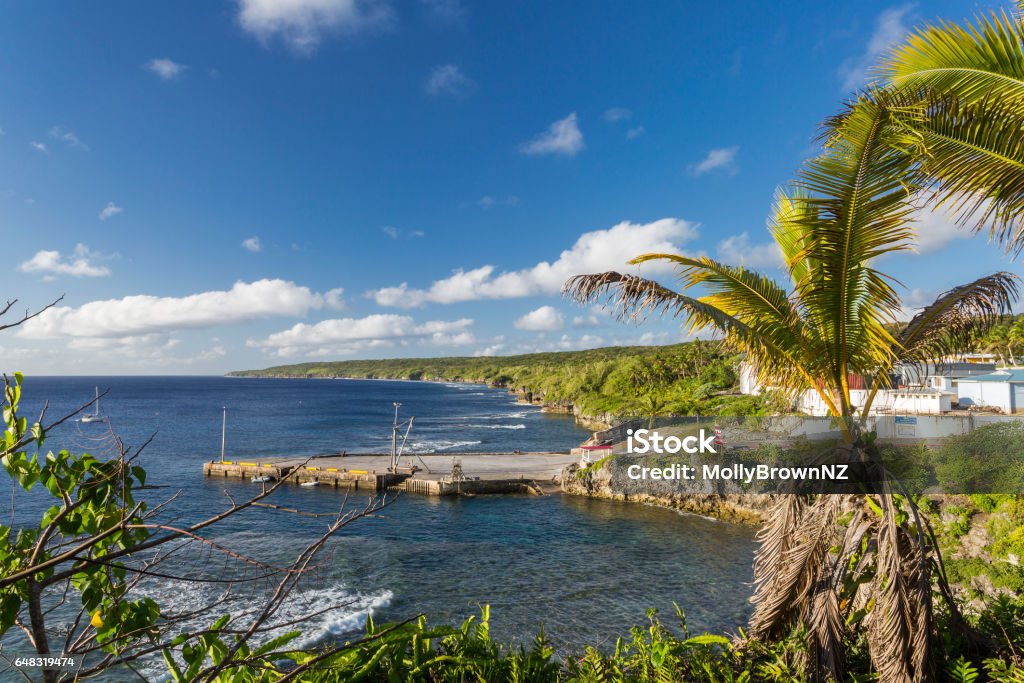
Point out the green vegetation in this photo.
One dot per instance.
(1005, 340)
(681, 379)
(417, 653)
(1002, 575)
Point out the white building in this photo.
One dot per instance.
(932, 390)
(1002, 390)
(917, 401)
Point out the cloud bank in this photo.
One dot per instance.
(143, 314)
(594, 251)
(349, 335)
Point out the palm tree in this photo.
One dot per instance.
(1016, 338)
(851, 204)
(994, 341)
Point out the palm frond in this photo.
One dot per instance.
(789, 214)
(949, 326)
(826, 627)
(787, 582)
(774, 541)
(772, 344)
(735, 290)
(972, 156)
(861, 208)
(897, 636)
(977, 61)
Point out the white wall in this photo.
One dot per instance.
(748, 381)
(885, 402)
(986, 394)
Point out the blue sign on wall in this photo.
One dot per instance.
(905, 420)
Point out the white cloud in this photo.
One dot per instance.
(448, 12)
(594, 251)
(109, 211)
(302, 24)
(40, 146)
(448, 79)
(78, 264)
(543, 319)
(591, 319)
(737, 250)
(561, 137)
(585, 321)
(721, 158)
(564, 343)
(915, 300)
(167, 69)
(889, 29)
(68, 137)
(349, 335)
(142, 314)
(252, 244)
(491, 350)
(396, 233)
(616, 114)
(488, 202)
(634, 133)
(937, 228)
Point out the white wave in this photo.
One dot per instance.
(338, 611)
(439, 445)
(518, 426)
(515, 415)
(347, 614)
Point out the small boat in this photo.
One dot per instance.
(95, 416)
(309, 484)
(261, 479)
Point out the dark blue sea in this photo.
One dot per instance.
(586, 569)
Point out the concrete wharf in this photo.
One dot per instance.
(427, 474)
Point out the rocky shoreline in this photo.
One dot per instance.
(749, 509)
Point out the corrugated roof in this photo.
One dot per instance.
(997, 376)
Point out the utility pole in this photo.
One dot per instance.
(223, 433)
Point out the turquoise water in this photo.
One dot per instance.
(585, 569)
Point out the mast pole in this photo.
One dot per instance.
(223, 433)
(394, 439)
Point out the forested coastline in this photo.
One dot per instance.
(597, 385)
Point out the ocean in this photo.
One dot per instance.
(586, 569)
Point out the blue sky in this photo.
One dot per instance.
(232, 184)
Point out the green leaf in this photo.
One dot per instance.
(708, 639)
